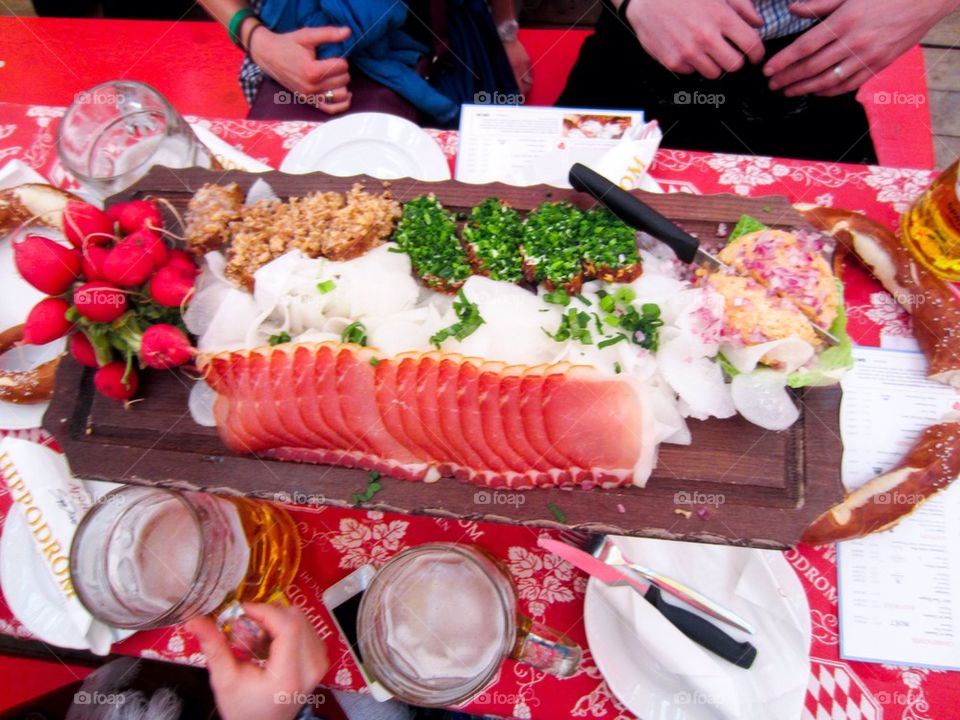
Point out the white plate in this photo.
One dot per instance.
(17, 297)
(778, 610)
(382, 146)
(30, 592)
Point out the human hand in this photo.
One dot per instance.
(291, 60)
(520, 62)
(861, 37)
(294, 668)
(705, 36)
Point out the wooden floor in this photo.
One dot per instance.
(941, 52)
(942, 56)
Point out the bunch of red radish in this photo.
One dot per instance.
(119, 292)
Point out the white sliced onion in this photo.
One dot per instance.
(201, 402)
(695, 378)
(762, 398)
(791, 353)
(260, 190)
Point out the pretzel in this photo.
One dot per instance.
(927, 468)
(33, 202)
(25, 387)
(933, 303)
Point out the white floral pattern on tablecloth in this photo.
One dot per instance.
(338, 540)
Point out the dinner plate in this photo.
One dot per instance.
(777, 607)
(17, 297)
(30, 592)
(376, 144)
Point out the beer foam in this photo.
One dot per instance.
(164, 564)
(450, 624)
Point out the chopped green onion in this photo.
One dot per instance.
(608, 303)
(468, 322)
(374, 361)
(625, 295)
(584, 300)
(611, 341)
(355, 333)
(617, 368)
(373, 487)
(279, 338)
(557, 297)
(326, 286)
(556, 512)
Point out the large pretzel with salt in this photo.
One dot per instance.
(25, 387)
(933, 462)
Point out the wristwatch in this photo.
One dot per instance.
(507, 30)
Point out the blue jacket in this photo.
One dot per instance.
(378, 47)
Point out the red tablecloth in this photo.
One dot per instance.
(337, 541)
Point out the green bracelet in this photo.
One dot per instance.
(233, 27)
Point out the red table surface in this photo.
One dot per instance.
(336, 541)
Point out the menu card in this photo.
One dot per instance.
(899, 590)
(524, 145)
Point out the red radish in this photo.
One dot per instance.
(100, 301)
(172, 285)
(93, 258)
(183, 259)
(153, 243)
(46, 264)
(129, 263)
(137, 215)
(110, 383)
(85, 224)
(165, 346)
(47, 321)
(82, 350)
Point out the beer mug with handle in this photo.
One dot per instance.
(147, 557)
(438, 620)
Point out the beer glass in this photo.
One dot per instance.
(112, 134)
(931, 227)
(147, 557)
(438, 620)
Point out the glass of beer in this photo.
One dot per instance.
(931, 227)
(112, 134)
(438, 620)
(147, 557)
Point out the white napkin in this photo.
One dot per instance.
(16, 173)
(226, 154)
(629, 160)
(52, 502)
(743, 581)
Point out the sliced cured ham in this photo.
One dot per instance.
(418, 417)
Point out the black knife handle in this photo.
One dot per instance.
(703, 632)
(634, 212)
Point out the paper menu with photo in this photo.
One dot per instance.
(523, 145)
(898, 589)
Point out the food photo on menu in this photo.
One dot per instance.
(454, 360)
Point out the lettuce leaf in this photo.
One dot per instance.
(830, 365)
(745, 225)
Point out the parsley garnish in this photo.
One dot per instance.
(469, 320)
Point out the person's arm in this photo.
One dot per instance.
(290, 58)
(706, 36)
(856, 40)
(276, 691)
(505, 16)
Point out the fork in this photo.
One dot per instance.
(603, 548)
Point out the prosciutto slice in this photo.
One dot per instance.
(419, 416)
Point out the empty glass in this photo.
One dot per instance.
(438, 620)
(115, 132)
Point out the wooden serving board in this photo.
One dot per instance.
(736, 484)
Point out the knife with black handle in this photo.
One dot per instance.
(638, 214)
